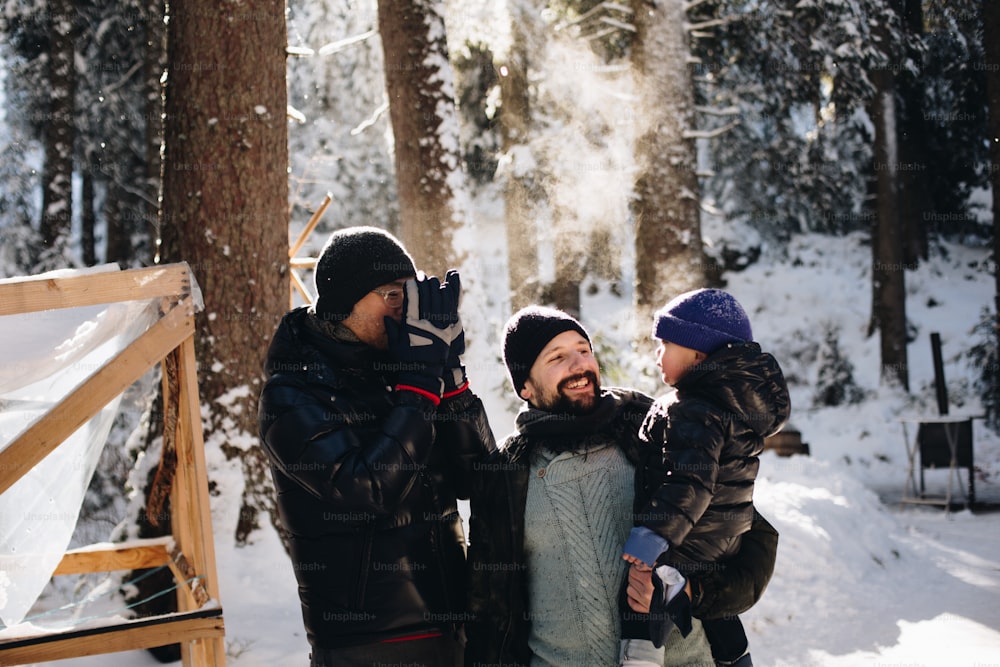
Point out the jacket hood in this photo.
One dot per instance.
(744, 380)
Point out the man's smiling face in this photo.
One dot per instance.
(565, 377)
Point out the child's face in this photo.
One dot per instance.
(675, 360)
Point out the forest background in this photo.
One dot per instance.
(630, 150)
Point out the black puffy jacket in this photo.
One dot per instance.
(367, 481)
(712, 431)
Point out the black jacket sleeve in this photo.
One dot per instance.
(464, 431)
(694, 443)
(315, 439)
(738, 582)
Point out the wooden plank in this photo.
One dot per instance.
(192, 519)
(49, 431)
(298, 285)
(191, 490)
(310, 226)
(134, 555)
(30, 296)
(129, 636)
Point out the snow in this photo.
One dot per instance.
(860, 579)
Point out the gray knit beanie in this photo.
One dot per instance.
(354, 261)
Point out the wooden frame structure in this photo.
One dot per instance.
(296, 264)
(189, 552)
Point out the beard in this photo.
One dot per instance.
(579, 405)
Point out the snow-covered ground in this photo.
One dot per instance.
(861, 579)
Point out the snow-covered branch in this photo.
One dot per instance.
(715, 111)
(611, 6)
(294, 114)
(621, 25)
(342, 44)
(692, 27)
(365, 124)
(710, 134)
(121, 82)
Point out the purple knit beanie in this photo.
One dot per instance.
(703, 320)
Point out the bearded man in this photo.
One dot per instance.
(552, 508)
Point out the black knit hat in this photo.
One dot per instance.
(527, 333)
(703, 320)
(354, 261)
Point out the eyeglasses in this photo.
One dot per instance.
(393, 297)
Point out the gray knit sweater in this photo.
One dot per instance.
(574, 554)
(578, 514)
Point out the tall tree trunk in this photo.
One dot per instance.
(57, 188)
(515, 121)
(155, 62)
(668, 248)
(888, 261)
(991, 43)
(420, 85)
(118, 246)
(225, 208)
(914, 199)
(88, 216)
(568, 255)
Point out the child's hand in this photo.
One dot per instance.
(629, 558)
(644, 546)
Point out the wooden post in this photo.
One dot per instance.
(939, 384)
(192, 519)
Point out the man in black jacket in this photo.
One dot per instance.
(552, 508)
(372, 431)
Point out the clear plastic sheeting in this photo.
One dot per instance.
(44, 356)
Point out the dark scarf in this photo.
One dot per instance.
(563, 431)
(346, 351)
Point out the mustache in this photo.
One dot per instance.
(587, 375)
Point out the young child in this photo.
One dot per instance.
(729, 396)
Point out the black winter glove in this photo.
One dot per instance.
(663, 616)
(455, 380)
(422, 340)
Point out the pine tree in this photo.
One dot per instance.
(420, 85)
(225, 194)
(835, 384)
